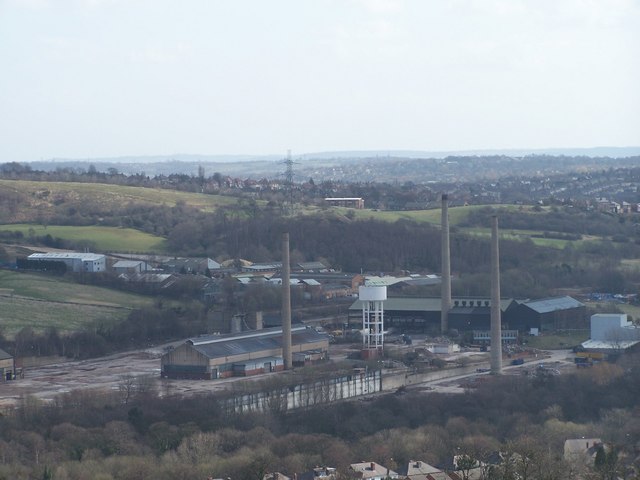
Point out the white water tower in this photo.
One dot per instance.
(372, 299)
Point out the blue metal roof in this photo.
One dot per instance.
(215, 346)
(552, 304)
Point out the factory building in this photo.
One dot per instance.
(413, 313)
(549, 314)
(242, 354)
(75, 262)
(474, 313)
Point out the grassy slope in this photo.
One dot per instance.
(41, 301)
(558, 341)
(458, 214)
(46, 196)
(119, 194)
(110, 239)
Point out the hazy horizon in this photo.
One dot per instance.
(93, 79)
(603, 151)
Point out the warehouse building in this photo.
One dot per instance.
(474, 313)
(423, 314)
(75, 262)
(242, 354)
(549, 314)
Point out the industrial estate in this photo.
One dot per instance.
(292, 334)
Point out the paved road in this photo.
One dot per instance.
(556, 359)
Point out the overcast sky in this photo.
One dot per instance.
(95, 78)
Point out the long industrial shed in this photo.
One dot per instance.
(241, 354)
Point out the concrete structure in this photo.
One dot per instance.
(496, 320)
(446, 267)
(246, 353)
(372, 299)
(350, 202)
(304, 395)
(7, 366)
(286, 304)
(76, 262)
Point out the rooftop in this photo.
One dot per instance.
(68, 255)
(214, 346)
(618, 345)
(552, 304)
(127, 263)
(372, 469)
(433, 304)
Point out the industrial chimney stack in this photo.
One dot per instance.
(446, 267)
(286, 304)
(496, 326)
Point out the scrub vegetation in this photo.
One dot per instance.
(131, 433)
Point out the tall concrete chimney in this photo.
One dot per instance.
(496, 326)
(445, 305)
(286, 304)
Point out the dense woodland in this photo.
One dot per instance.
(133, 434)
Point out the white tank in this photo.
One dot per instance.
(372, 299)
(372, 294)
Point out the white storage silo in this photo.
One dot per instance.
(372, 299)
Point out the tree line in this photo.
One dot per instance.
(133, 433)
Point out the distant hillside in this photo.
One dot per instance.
(375, 166)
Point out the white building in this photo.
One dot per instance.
(612, 331)
(445, 348)
(76, 262)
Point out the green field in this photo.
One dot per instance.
(116, 194)
(558, 341)
(42, 301)
(456, 214)
(105, 239)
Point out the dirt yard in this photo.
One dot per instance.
(109, 374)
